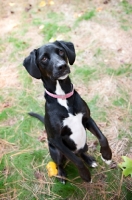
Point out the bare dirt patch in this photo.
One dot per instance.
(115, 43)
(106, 87)
(9, 76)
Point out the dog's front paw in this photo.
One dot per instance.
(94, 164)
(108, 162)
(106, 154)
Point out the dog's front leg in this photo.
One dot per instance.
(105, 149)
(83, 171)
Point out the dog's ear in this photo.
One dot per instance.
(70, 50)
(30, 64)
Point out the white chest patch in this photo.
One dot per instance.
(59, 91)
(78, 132)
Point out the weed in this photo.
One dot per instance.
(126, 6)
(125, 28)
(18, 44)
(87, 15)
(98, 52)
(123, 69)
(37, 22)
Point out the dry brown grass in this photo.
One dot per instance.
(6, 147)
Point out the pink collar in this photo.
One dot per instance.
(60, 96)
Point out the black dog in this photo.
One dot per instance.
(67, 116)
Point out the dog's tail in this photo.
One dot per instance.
(40, 117)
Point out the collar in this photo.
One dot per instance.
(60, 96)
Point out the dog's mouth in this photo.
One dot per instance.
(62, 75)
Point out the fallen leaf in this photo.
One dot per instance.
(38, 175)
(42, 4)
(119, 50)
(51, 3)
(106, 2)
(126, 166)
(28, 8)
(11, 4)
(113, 165)
(6, 105)
(43, 137)
(52, 169)
(99, 9)
(93, 145)
(41, 27)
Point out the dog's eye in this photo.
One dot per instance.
(61, 53)
(44, 59)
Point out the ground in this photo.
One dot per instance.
(102, 34)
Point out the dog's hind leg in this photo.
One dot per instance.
(82, 169)
(90, 160)
(59, 159)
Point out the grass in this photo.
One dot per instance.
(17, 43)
(87, 15)
(51, 30)
(127, 7)
(105, 86)
(85, 72)
(123, 69)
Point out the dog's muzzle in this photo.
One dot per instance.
(61, 72)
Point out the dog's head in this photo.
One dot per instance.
(51, 60)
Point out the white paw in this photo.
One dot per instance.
(108, 162)
(63, 182)
(94, 164)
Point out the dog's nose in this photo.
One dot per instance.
(61, 67)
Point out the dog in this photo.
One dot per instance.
(67, 115)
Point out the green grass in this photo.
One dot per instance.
(23, 174)
(18, 44)
(120, 102)
(51, 30)
(21, 168)
(98, 52)
(55, 17)
(123, 69)
(127, 7)
(125, 27)
(87, 15)
(51, 27)
(85, 73)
